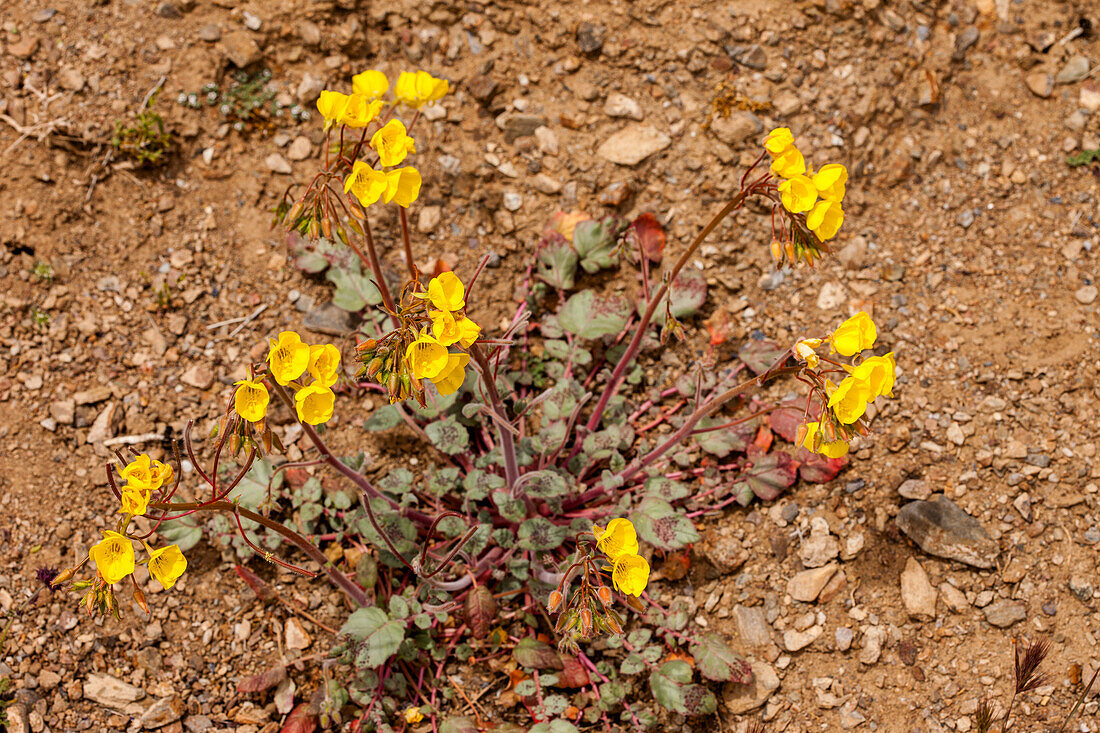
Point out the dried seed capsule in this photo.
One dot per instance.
(586, 620)
(375, 366)
(604, 595)
(554, 602)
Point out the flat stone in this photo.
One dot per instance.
(1086, 294)
(103, 426)
(941, 528)
(915, 489)
(71, 79)
(1040, 83)
(24, 48)
(820, 547)
(794, 641)
(737, 127)
(1089, 96)
(330, 319)
(786, 103)
(199, 376)
(92, 396)
(278, 164)
(241, 49)
(620, 105)
(1003, 613)
(967, 38)
(590, 38)
(725, 553)
(752, 627)
(873, 639)
(482, 88)
(210, 32)
(110, 691)
(854, 254)
(300, 148)
(832, 296)
(546, 184)
(63, 411)
(743, 698)
(843, 636)
(1076, 69)
(807, 585)
(547, 140)
(953, 597)
(162, 712)
(296, 636)
(516, 125)
(429, 219)
(633, 144)
(917, 592)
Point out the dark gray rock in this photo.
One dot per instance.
(942, 529)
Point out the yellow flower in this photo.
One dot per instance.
(878, 373)
(789, 163)
(830, 181)
(251, 399)
(314, 404)
(848, 400)
(161, 473)
(854, 335)
(778, 140)
(453, 375)
(427, 357)
(331, 106)
(113, 557)
(146, 474)
(468, 331)
(371, 84)
(446, 292)
(817, 443)
(135, 500)
(167, 565)
(825, 219)
(617, 540)
(365, 183)
(419, 88)
(392, 143)
(402, 186)
(798, 194)
(360, 111)
(413, 715)
(324, 364)
(288, 357)
(804, 350)
(630, 574)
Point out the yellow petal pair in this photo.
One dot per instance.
(359, 111)
(288, 357)
(371, 84)
(145, 473)
(135, 500)
(446, 292)
(392, 143)
(449, 330)
(620, 538)
(251, 399)
(829, 182)
(427, 357)
(630, 574)
(848, 400)
(854, 335)
(878, 373)
(415, 89)
(324, 364)
(331, 106)
(402, 186)
(825, 219)
(453, 375)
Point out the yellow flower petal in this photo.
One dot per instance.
(392, 143)
(630, 574)
(251, 399)
(878, 373)
(288, 357)
(402, 186)
(167, 565)
(848, 400)
(468, 332)
(617, 540)
(444, 327)
(830, 180)
(360, 111)
(778, 140)
(453, 375)
(427, 357)
(324, 363)
(113, 557)
(371, 84)
(415, 89)
(789, 163)
(134, 500)
(365, 183)
(314, 404)
(816, 443)
(798, 194)
(854, 335)
(825, 219)
(331, 105)
(446, 292)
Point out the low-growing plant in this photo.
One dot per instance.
(145, 140)
(247, 100)
(548, 493)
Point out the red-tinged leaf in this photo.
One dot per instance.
(763, 439)
(565, 222)
(258, 585)
(295, 477)
(481, 611)
(301, 720)
(760, 355)
(785, 421)
(534, 654)
(817, 469)
(263, 681)
(573, 673)
(769, 473)
(720, 325)
(650, 236)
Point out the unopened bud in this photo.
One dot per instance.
(554, 601)
(63, 577)
(612, 622)
(777, 250)
(586, 620)
(139, 598)
(374, 367)
(368, 345)
(790, 251)
(604, 594)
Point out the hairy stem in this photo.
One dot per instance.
(407, 242)
(507, 443)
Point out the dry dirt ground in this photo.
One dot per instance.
(968, 235)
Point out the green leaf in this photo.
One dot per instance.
(716, 661)
(378, 636)
(479, 483)
(534, 654)
(183, 532)
(384, 418)
(589, 316)
(688, 292)
(354, 290)
(769, 475)
(726, 440)
(633, 664)
(511, 508)
(595, 242)
(539, 533)
(667, 682)
(448, 435)
(557, 262)
(554, 726)
(544, 484)
(458, 724)
(759, 355)
(659, 524)
(441, 480)
(667, 489)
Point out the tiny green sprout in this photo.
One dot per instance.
(43, 271)
(1083, 158)
(41, 318)
(146, 140)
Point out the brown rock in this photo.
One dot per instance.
(241, 49)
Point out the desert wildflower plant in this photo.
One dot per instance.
(549, 499)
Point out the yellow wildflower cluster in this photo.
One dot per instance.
(290, 361)
(391, 142)
(801, 188)
(844, 403)
(419, 350)
(143, 476)
(114, 559)
(619, 541)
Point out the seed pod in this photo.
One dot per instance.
(375, 366)
(777, 250)
(586, 620)
(139, 598)
(554, 601)
(604, 594)
(368, 345)
(613, 623)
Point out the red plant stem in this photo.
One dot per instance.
(649, 403)
(507, 444)
(661, 418)
(341, 581)
(376, 268)
(408, 243)
(636, 342)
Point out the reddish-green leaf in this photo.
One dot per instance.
(301, 720)
(263, 681)
(650, 236)
(535, 654)
(769, 474)
(573, 673)
(481, 610)
(817, 469)
(760, 355)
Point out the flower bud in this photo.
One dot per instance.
(139, 598)
(554, 601)
(612, 622)
(586, 620)
(375, 366)
(63, 577)
(368, 345)
(604, 594)
(777, 250)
